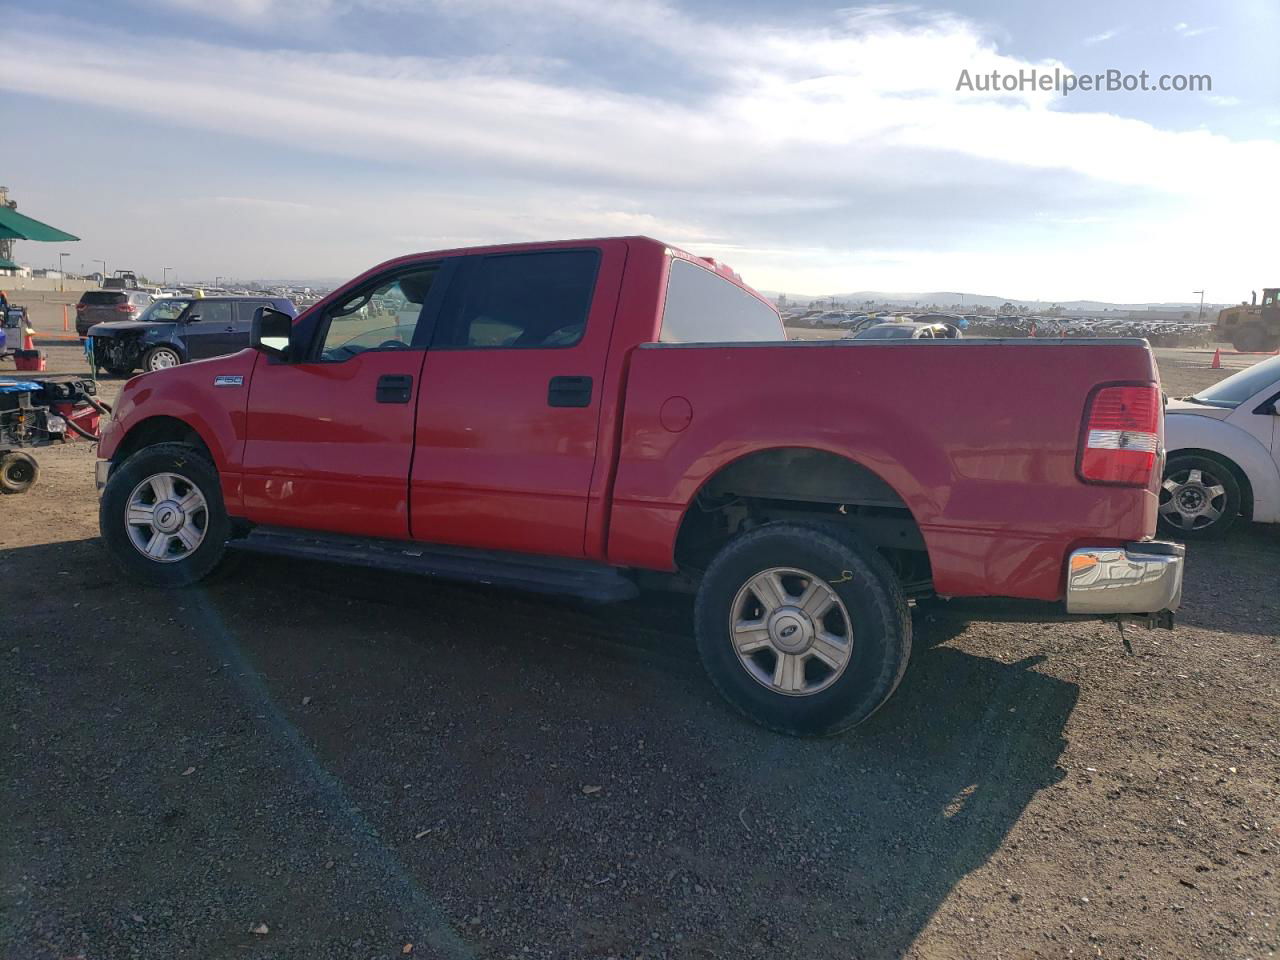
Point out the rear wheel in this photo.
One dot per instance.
(1199, 498)
(161, 358)
(18, 471)
(162, 516)
(802, 628)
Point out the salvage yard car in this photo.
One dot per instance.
(104, 306)
(909, 330)
(1224, 455)
(586, 417)
(174, 330)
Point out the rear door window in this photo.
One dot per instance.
(245, 310)
(516, 301)
(703, 307)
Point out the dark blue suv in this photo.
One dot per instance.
(177, 329)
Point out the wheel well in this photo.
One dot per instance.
(1242, 479)
(796, 483)
(159, 430)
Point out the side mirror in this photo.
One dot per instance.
(270, 332)
(192, 317)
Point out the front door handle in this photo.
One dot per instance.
(569, 392)
(394, 388)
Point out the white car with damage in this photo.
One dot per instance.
(1223, 461)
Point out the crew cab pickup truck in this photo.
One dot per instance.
(589, 417)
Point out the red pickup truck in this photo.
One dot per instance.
(592, 416)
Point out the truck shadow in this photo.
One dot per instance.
(483, 718)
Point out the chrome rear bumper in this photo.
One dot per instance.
(1136, 578)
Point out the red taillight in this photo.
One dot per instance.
(1121, 436)
(80, 306)
(126, 308)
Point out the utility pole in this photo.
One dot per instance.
(62, 272)
(1201, 312)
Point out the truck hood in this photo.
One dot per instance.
(1196, 409)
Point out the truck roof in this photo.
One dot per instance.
(710, 263)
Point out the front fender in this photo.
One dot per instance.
(210, 396)
(1194, 432)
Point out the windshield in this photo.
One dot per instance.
(164, 310)
(1239, 387)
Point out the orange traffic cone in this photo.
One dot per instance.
(27, 343)
(1217, 360)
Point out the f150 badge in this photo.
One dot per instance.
(228, 381)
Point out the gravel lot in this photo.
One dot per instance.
(372, 765)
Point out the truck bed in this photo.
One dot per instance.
(978, 438)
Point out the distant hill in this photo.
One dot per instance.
(945, 298)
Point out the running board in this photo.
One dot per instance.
(555, 575)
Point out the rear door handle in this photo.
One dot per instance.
(394, 388)
(569, 392)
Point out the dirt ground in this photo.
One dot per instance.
(363, 762)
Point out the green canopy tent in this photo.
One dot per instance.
(17, 226)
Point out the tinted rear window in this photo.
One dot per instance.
(103, 298)
(524, 300)
(703, 307)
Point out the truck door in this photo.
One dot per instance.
(329, 439)
(510, 402)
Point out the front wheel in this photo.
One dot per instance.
(1199, 498)
(161, 358)
(802, 628)
(162, 516)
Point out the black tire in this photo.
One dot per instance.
(194, 468)
(869, 591)
(151, 357)
(18, 471)
(1213, 474)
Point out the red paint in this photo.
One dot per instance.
(981, 440)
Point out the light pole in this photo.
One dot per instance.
(165, 280)
(62, 272)
(1201, 311)
(104, 269)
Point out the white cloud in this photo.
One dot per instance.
(250, 12)
(1186, 30)
(793, 126)
(1102, 37)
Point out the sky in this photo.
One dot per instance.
(816, 147)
